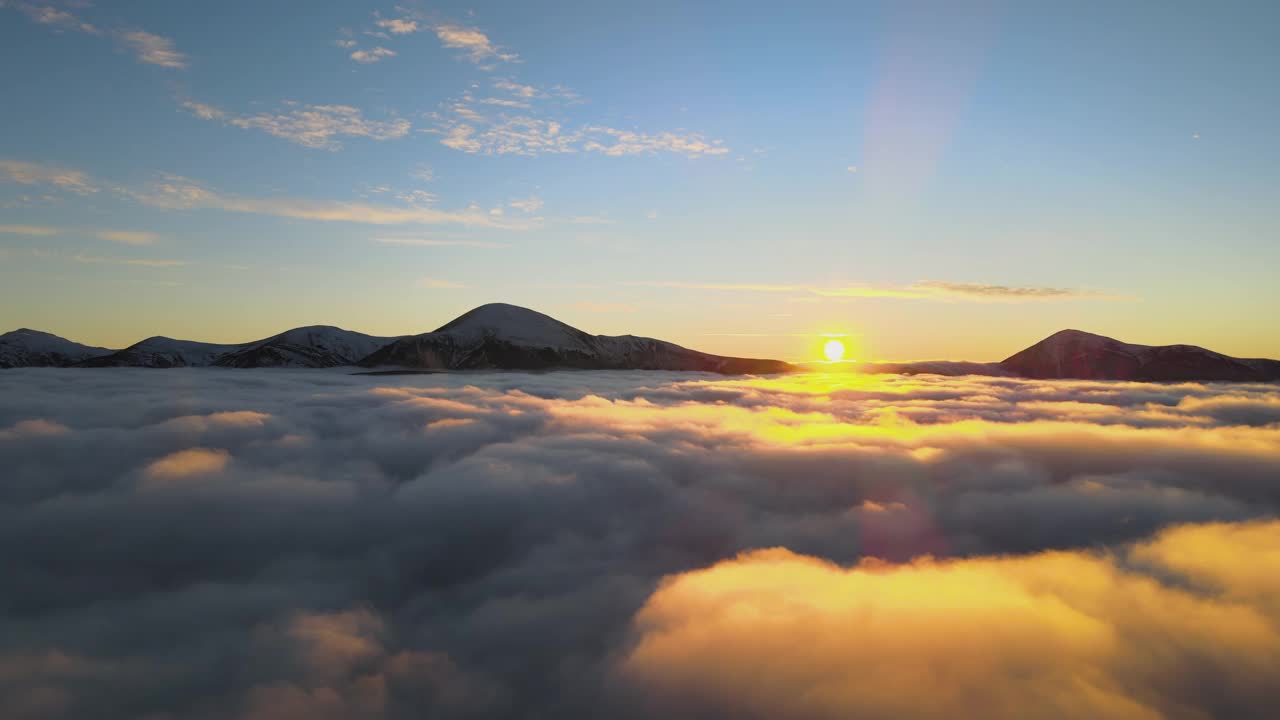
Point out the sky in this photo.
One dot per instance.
(930, 180)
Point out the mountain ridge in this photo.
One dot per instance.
(500, 336)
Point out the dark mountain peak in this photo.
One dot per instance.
(505, 336)
(1083, 355)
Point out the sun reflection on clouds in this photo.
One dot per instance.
(637, 545)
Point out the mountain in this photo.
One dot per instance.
(32, 348)
(162, 352)
(501, 336)
(1077, 354)
(312, 347)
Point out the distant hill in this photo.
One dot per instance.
(498, 336)
(495, 336)
(1082, 355)
(31, 348)
(501, 336)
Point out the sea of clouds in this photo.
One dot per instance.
(272, 545)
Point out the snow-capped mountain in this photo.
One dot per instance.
(501, 336)
(31, 348)
(162, 352)
(1077, 354)
(313, 346)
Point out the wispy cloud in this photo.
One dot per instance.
(314, 126)
(146, 47)
(137, 262)
(128, 237)
(467, 129)
(438, 284)
(59, 19)
(372, 55)
(175, 192)
(398, 26)
(612, 141)
(31, 230)
(436, 242)
(528, 205)
(926, 290)
(27, 173)
(153, 49)
(476, 45)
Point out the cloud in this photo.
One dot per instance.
(475, 44)
(438, 284)
(610, 544)
(147, 47)
(468, 130)
(528, 205)
(138, 262)
(926, 290)
(153, 49)
(184, 463)
(524, 91)
(398, 26)
(625, 142)
(33, 230)
(179, 193)
(373, 56)
(27, 173)
(314, 126)
(128, 237)
(437, 242)
(1070, 634)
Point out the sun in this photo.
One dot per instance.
(834, 350)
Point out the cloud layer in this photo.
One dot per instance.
(283, 544)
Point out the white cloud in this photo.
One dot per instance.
(146, 47)
(175, 192)
(60, 19)
(470, 131)
(436, 242)
(925, 290)
(529, 205)
(626, 142)
(128, 237)
(423, 173)
(398, 26)
(373, 55)
(138, 262)
(524, 91)
(153, 49)
(476, 44)
(345, 43)
(314, 126)
(32, 230)
(26, 173)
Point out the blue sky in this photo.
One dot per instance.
(931, 179)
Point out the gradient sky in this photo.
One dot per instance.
(936, 180)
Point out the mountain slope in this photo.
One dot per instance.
(312, 347)
(31, 348)
(1082, 355)
(501, 336)
(162, 352)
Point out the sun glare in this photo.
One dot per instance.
(834, 350)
